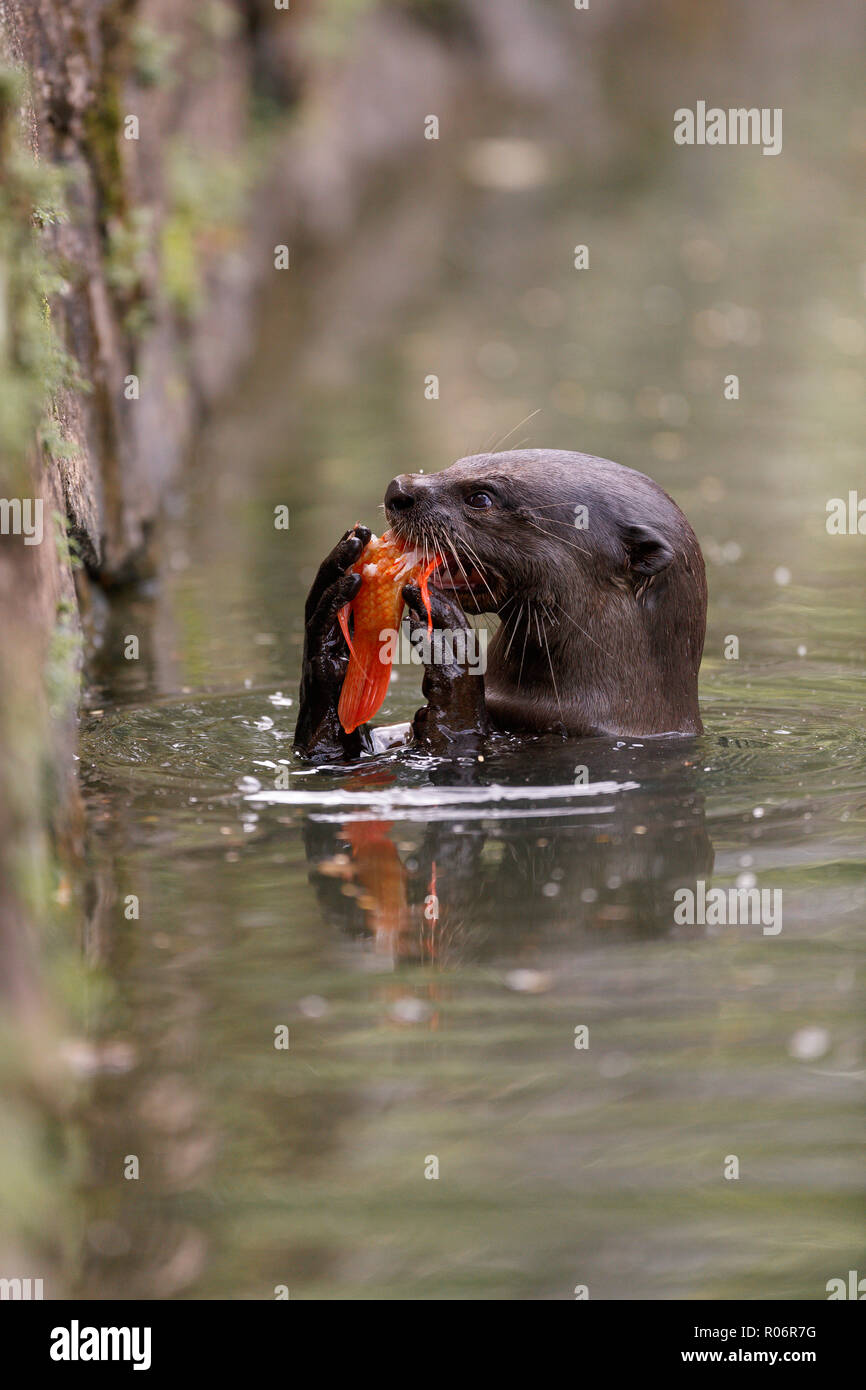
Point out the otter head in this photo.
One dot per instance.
(595, 572)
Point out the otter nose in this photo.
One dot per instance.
(401, 494)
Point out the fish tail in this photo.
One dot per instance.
(365, 686)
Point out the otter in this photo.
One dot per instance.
(597, 579)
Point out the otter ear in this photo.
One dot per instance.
(648, 551)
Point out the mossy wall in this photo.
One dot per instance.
(122, 305)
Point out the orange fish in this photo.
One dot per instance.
(379, 871)
(385, 566)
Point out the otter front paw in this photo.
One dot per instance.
(455, 718)
(318, 732)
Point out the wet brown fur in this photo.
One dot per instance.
(601, 629)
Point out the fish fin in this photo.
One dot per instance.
(343, 618)
(365, 686)
(423, 589)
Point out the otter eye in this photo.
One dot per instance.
(479, 500)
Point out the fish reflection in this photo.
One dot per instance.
(481, 881)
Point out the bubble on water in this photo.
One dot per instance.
(313, 1006)
(801, 651)
(410, 1010)
(746, 881)
(528, 981)
(550, 890)
(782, 575)
(758, 812)
(615, 1064)
(808, 1044)
(248, 784)
(264, 723)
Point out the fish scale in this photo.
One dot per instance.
(385, 566)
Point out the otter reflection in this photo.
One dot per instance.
(476, 883)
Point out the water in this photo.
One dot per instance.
(455, 1039)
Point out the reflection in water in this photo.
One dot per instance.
(492, 881)
(432, 937)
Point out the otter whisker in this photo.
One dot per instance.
(554, 537)
(473, 555)
(523, 653)
(549, 617)
(516, 615)
(525, 420)
(552, 507)
(453, 549)
(583, 630)
(552, 676)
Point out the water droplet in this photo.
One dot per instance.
(807, 1044)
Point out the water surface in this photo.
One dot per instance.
(452, 1036)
